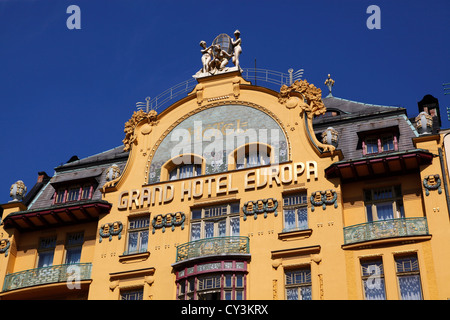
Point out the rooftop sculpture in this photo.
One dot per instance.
(215, 58)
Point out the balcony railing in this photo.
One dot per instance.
(45, 275)
(213, 246)
(383, 229)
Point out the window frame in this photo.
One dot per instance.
(396, 201)
(301, 203)
(403, 274)
(365, 277)
(44, 249)
(379, 142)
(243, 152)
(140, 230)
(62, 194)
(232, 213)
(298, 285)
(136, 292)
(77, 244)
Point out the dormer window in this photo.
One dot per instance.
(379, 144)
(73, 193)
(379, 141)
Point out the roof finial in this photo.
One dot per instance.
(329, 83)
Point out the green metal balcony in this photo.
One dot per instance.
(213, 246)
(383, 229)
(46, 275)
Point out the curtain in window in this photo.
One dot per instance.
(302, 218)
(292, 294)
(222, 228)
(73, 255)
(234, 226)
(45, 259)
(209, 229)
(306, 293)
(384, 211)
(144, 240)
(374, 290)
(410, 287)
(289, 219)
(195, 231)
(133, 241)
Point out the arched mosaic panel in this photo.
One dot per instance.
(215, 132)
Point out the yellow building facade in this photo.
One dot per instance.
(230, 193)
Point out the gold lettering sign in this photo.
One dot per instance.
(220, 185)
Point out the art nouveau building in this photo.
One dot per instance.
(236, 192)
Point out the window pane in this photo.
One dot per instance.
(372, 145)
(45, 259)
(173, 174)
(195, 231)
(133, 295)
(292, 294)
(306, 293)
(410, 288)
(374, 289)
(144, 241)
(133, 238)
(209, 229)
(369, 213)
(289, 219)
(384, 211)
(86, 192)
(234, 226)
(222, 228)
(73, 255)
(388, 143)
(302, 218)
(72, 195)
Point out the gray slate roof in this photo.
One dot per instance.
(356, 117)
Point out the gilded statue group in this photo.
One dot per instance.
(214, 59)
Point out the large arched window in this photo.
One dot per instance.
(181, 167)
(250, 155)
(185, 171)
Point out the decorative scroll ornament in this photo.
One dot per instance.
(108, 230)
(4, 246)
(310, 103)
(168, 220)
(432, 182)
(260, 206)
(324, 199)
(17, 191)
(130, 126)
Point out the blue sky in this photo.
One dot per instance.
(69, 92)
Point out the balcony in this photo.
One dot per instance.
(385, 229)
(213, 247)
(64, 273)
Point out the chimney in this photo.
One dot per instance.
(430, 105)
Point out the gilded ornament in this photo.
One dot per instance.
(136, 118)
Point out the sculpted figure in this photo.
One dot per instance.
(206, 56)
(221, 58)
(237, 50)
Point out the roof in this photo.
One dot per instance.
(355, 118)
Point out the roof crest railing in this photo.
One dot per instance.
(250, 74)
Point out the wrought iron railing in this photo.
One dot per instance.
(382, 229)
(45, 275)
(267, 76)
(213, 246)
